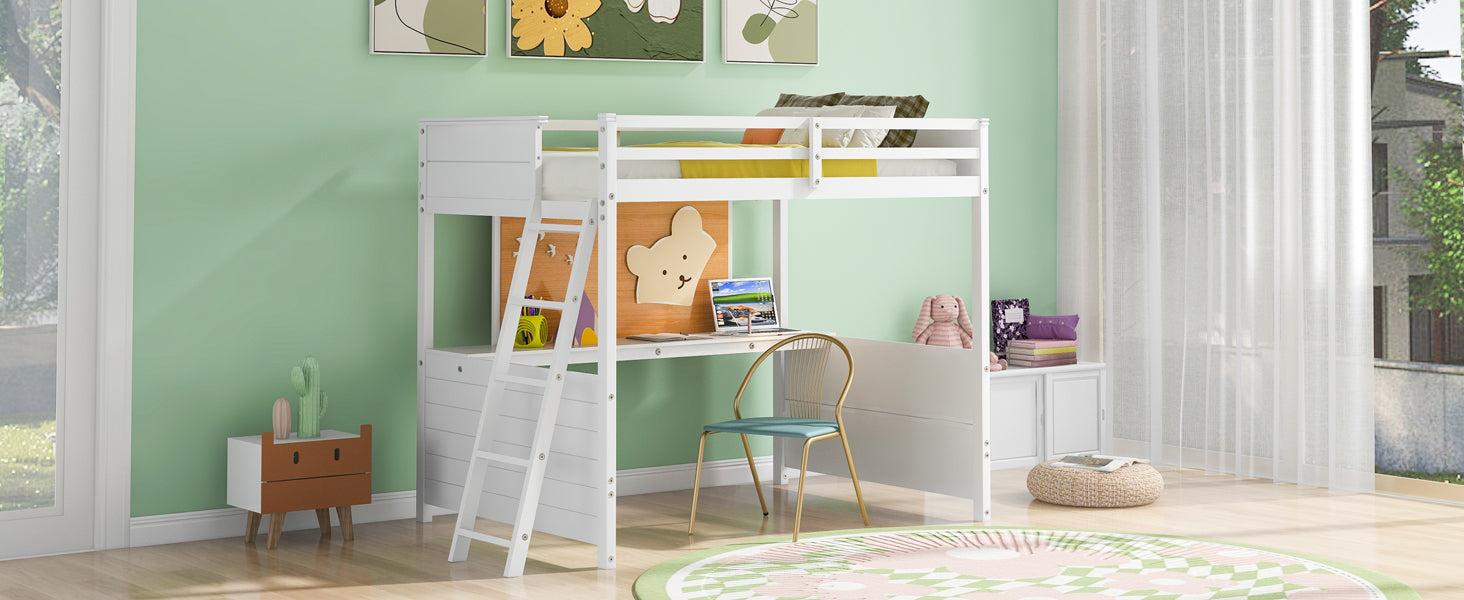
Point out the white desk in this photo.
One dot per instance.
(450, 406)
(919, 412)
(628, 350)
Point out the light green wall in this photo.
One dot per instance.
(275, 213)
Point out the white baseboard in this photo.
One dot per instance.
(670, 478)
(389, 506)
(229, 522)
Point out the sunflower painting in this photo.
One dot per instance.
(665, 30)
(441, 27)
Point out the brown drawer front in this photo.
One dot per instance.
(320, 492)
(324, 458)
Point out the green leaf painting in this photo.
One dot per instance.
(770, 31)
(668, 30)
(450, 27)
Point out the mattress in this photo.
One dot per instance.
(571, 175)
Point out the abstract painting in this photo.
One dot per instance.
(443, 27)
(783, 32)
(660, 30)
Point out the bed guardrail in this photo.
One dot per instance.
(463, 154)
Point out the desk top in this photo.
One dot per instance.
(629, 349)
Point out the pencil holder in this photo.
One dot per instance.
(531, 332)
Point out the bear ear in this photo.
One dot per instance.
(636, 257)
(687, 221)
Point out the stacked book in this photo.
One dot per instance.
(1042, 353)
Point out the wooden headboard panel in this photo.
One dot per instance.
(641, 223)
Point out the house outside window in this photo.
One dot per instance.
(1418, 113)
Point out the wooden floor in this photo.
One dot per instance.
(1417, 542)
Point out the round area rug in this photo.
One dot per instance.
(989, 562)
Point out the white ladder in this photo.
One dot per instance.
(552, 385)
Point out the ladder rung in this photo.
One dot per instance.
(483, 537)
(540, 304)
(502, 458)
(558, 228)
(529, 381)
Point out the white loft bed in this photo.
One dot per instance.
(917, 415)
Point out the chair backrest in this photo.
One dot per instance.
(805, 363)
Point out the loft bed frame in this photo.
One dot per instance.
(918, 415)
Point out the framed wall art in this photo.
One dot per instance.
(649, 30)
(430, 27)
(775, 32)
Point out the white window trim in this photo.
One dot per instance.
(114, 286)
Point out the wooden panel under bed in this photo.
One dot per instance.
(641, 223)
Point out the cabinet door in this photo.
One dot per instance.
(1016, 405)
(1075, 413)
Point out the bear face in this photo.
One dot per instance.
(668, 272)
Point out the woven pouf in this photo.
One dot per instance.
(1134, 485)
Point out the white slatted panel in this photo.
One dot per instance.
(506, 181)
(482, 141)
(912, 417)
(910, 452)
(570, 497)
(551, 519)
(510, 430)
(910, 379)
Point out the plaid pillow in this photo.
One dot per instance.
(906, 107)
(833, 99)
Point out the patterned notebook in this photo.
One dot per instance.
(1008, 322)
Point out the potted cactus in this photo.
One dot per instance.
(313, 401)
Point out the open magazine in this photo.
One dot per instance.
(1102, 463)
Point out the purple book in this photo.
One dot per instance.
(1008, 322)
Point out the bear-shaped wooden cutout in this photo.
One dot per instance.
(668, 272)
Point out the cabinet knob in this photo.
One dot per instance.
(296, 457)
(337, 453)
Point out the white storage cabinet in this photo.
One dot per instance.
(1045, 412)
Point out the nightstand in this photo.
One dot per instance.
(278, 476)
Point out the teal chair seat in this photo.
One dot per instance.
(788, 427)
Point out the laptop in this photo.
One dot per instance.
(744, 306)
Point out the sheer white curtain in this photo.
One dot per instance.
(1237, 235)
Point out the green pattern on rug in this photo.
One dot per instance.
(991, 562)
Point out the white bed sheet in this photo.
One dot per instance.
(571, 175)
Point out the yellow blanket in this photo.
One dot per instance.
(782, 167)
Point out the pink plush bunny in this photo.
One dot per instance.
(943, 322)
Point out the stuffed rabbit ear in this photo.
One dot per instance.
(964, 317)
(924, 319)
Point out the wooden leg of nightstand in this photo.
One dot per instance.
(322, 515)
(251, 527)
(344, 512)
(276, 526)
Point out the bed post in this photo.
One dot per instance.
(780, 285)
(426, 222)
(606, 271)
(981, 299)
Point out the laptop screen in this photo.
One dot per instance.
(742, 304)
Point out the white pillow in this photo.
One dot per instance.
(871, 138)
(832, 138)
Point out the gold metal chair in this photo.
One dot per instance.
(805, 358)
